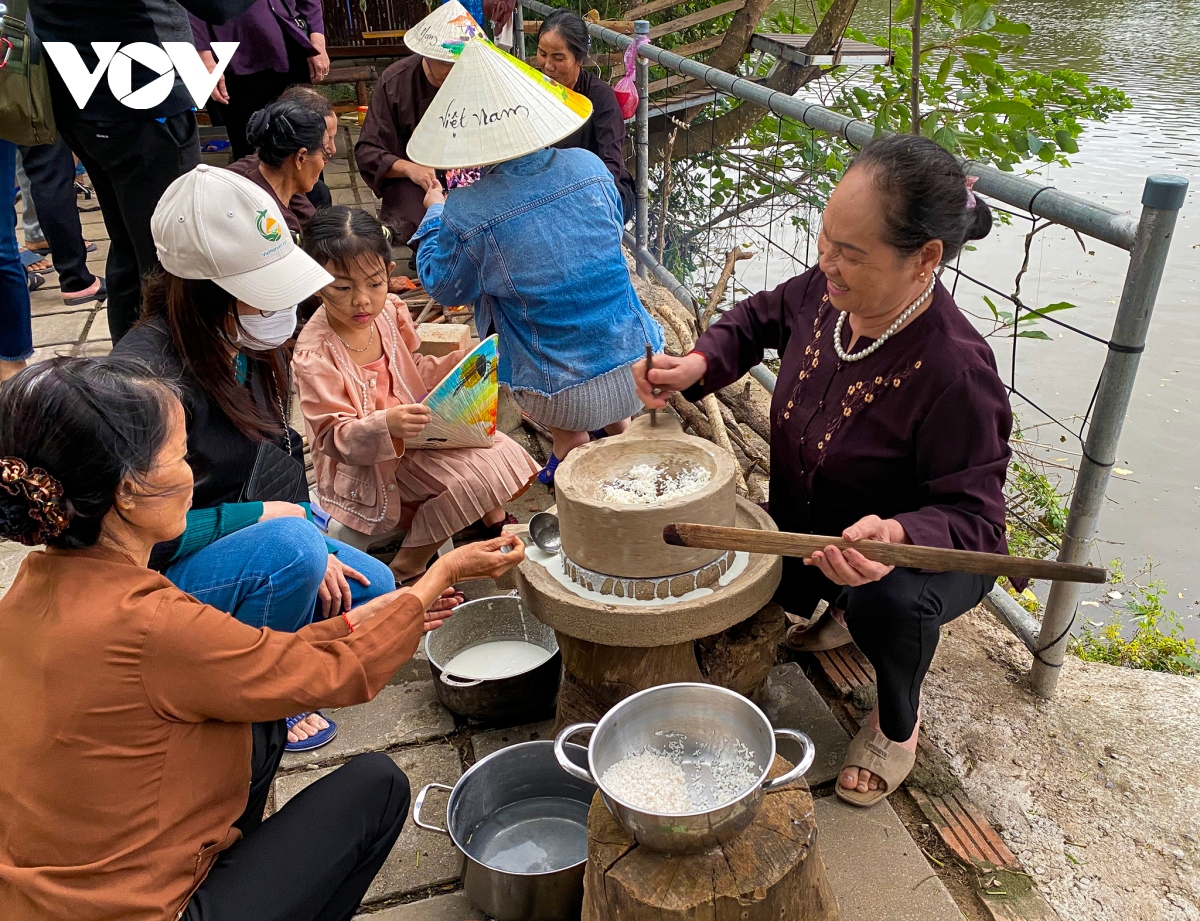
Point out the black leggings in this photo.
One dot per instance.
(313, 859)
(896, 622)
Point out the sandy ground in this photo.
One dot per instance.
(1096, 791)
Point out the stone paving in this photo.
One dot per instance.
(420, 880)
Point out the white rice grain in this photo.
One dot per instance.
(650, 781)
(645, 484)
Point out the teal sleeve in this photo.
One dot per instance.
(208, 525)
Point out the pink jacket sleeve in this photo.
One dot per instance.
(335, 427)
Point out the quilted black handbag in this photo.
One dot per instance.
(277, 477)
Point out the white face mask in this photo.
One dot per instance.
(263, 333)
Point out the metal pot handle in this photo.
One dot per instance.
(451, 681)
(805, 762)
(566, 763)
(420, 801)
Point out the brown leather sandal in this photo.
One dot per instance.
(872, 751)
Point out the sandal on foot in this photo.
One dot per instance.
(826, 633)
(323, 737)
(597, 434)
(546, 475)
(872, 751)
(79, 298)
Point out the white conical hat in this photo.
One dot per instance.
(494, 108)
(442, 34)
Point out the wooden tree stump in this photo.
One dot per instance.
(772, 871)
(596, 677)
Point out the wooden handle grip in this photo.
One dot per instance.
(938, 559)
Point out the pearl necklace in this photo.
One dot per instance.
(874, 346)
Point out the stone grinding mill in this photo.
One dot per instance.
(630, 611)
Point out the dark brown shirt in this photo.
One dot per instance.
(296, 213)
(401, 97)
(917, 431)
(604, 135)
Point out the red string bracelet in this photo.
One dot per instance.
(349, 626)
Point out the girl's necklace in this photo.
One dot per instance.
(370, 339)
(874, 346)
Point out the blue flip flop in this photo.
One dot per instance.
(324, 737)
(546, 476)
(597, 434)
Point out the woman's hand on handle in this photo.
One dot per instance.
(667, 374)
(849, 567)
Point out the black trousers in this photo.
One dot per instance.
(51, 172)
(131, 163)
(314, 859)
(896, 622)
(250, 92)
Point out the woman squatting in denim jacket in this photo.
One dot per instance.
(535, 244)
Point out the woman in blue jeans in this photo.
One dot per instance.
(215, 318)
(16, 330)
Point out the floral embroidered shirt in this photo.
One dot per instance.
(917, 431)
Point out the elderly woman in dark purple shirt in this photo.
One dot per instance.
(889, 422)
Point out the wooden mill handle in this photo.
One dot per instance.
(783, 543)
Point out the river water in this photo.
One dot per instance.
(1151, 50)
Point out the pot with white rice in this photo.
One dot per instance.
(683, 767)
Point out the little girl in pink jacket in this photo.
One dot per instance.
(361, 383)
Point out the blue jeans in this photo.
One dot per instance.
(16, 327)
(267, 575)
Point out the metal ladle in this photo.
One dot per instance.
(543, 531)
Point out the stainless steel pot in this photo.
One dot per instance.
(522, 698)
(702, 724)
(520, 822)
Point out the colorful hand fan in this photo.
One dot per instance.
(463, 405)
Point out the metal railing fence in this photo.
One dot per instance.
(1146, 238)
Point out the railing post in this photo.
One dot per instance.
(1161, 200)
(642, 146)
(518, 25)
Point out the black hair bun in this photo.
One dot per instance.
(16, 524)
(979, 223)
(258, 126)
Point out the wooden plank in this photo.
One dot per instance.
(615, 25)
(691, 48)
(792, 48)
(674, 81)
(386, 33)
(694, 19)
(654, 6)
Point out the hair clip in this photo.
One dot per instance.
(970, 184)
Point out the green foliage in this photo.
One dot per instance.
(974, 101)
(1156, 642)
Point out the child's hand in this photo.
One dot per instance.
(407, 421)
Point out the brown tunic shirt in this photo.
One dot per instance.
(296, 213)
(134, 703)
(917, 431)
(401, 97)
(604, 135)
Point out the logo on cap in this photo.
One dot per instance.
(268, 227)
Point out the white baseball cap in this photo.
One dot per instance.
(211, 223)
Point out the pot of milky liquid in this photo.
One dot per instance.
(520, 822)
(493, 660)
(683, 767)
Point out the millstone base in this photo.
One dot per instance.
(650, 589)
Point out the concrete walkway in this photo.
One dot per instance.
(878, 872)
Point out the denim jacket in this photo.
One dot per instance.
(535, 243)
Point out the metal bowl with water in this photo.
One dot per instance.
(706, 724)
(520, 698)
(520, 822)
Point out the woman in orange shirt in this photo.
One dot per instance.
(129, 791)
